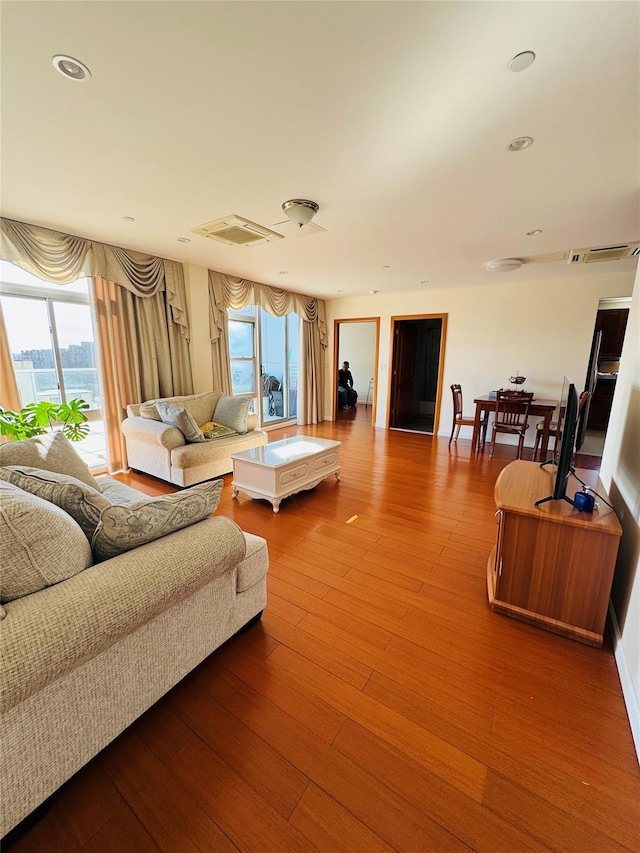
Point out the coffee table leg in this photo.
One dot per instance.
(234, 492)
(337, 476)
(276, 504)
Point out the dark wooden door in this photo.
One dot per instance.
(405, 337)
(612, 324)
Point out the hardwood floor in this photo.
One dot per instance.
(380, 704)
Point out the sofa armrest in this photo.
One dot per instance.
(145, 429)
(49, 633)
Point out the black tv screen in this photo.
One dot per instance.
(568, 417)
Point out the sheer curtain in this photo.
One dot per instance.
(143, 332)
(227, 291)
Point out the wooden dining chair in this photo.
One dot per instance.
(511, 416)
(555, 429)
(460, 420)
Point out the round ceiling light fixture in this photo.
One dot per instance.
(71, 68)
(520, 143)
(184, 240)
(522, 60)
(504, 265)
(300, 210)
(534, 233)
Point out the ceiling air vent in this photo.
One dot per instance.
(604, 253)
(237, 231)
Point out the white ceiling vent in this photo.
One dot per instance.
(237, 231)
(604, 253)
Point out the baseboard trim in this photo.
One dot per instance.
(628, 691)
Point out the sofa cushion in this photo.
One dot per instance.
(40, 544)
(50, 452)
(124, 527)
(83, 503)
(212, 430)
(201, 406)
(232, 412)
(180, 418)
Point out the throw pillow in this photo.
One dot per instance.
(40, 544)
(50, 452)
(232, 412)
(83, 503)
(123, 528)
(213, 430)
(179, 417)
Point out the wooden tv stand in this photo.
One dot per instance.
(552, 565)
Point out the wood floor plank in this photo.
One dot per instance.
(240, 812)
(436, 754)
(169, 814)
(329, 826)
(379, 808)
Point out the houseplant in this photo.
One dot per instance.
(40, 418)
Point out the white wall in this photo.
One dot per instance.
(542, 329)
(620, 475)
(358, 347)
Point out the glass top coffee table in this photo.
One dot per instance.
(283, 468)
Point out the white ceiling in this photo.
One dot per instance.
(392, 116)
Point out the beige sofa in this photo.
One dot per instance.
(84, 657)
(162, 450)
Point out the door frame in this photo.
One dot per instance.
(443, 344)
(336, 351)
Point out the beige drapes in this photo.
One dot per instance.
(142, 356)
(227, 291)
(9, 394)
(219, 333)
(143, 331)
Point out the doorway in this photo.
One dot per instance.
(417, 362)
(602, 374)
(356, 341)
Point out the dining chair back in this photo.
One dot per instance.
(511, 416)
(555, 428)
(460, 420)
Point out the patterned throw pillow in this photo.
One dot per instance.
(83, 503)
(40, 544)
(213, 430)
(123, 528)
(232, 412)
(179, 417)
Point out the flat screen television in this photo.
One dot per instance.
(569, 415)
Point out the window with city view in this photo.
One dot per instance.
(51, 338)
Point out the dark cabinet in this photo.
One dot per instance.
(612, 324)
(600, 404)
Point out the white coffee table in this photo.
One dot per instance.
(283, 468)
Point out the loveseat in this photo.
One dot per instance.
(173, 450)
(90, 641)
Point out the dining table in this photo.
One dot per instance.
(543, 408)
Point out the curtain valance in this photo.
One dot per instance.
(54, 256)
(232, 292)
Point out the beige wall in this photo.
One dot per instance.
(541, 329)
(620, 474)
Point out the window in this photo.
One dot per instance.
(277, 340)
(51, 337)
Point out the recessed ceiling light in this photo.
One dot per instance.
(386, 267)
(341, 291)
(183, 240)
(534, 232)
(425, 281)
(522, 60)
(520, 143)
(283, 272)
(71, 68)
(373, 292)
(129, 218)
